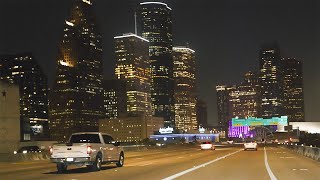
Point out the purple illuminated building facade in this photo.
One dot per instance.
(249, 132)
(238, 131)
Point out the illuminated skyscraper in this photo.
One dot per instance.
(133, 67)
(244, 99)
(76, 101)
(115, 98)
(240, 101)
(184, 70)
(23, 70)
(202, 114)
(271, 81)
(223, 104)
(157, 29)
(293, 89)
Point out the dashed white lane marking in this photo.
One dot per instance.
(180, 157)
(303, 169)
(199, 166)
(300, 169)
(223, 149)
(271, 175)
(286, 157)
(146, 164)
(139, 158)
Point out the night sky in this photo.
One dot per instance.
(226, 35)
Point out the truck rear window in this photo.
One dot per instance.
(85, 138)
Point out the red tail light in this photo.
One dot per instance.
(89, 150)
(51, 150)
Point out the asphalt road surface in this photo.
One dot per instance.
(182, 162)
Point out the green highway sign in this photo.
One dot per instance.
(252, 121)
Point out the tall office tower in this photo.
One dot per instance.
(115, 98)
(157, 29)
(133, 66)
(23, 70)
(244, 99)
(293, 89)
(202, 115)
(76, 101)
(271, 81)
(184, 70)
(223, 104)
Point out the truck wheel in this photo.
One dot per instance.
(120, 163)
(62, 168)
(97, 163)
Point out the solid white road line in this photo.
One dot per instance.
(271, 175)
(199, 166)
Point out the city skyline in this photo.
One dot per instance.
(245, 58)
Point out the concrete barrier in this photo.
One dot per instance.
(311, 152)
(45, 155)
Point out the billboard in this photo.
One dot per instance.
(167, 130)
(252, 121)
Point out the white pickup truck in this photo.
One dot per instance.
(87, 148)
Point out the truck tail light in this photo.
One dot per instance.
(89, 150)
(51, 150)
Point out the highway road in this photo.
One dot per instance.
(183, 162)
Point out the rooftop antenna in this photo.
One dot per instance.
(135, 23)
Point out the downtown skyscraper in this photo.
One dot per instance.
(240, 101)
(156, 18)
(222, 92)
(271, 81)
(293, 89)
(24, 71)
(76, 101)
(202, 114)
(133, 67)
(185, 90)
(115, 98)
(244, 99)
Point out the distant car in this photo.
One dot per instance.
(160, 144)
(275, 141)
(207, 146)
(28, 149)
(250, 145)
(230, 141)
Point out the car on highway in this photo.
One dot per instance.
(250, 145)
(230, 141)
(160, 144)
(207, 146)
(28, 149)
(91, 149)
